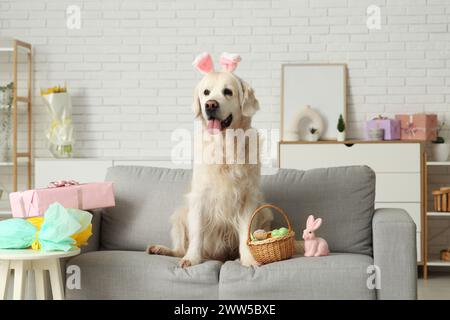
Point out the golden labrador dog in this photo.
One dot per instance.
(224, 191)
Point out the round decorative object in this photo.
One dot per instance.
(305, 119)
(313, 136)
(260, 234)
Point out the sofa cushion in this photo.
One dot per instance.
(145, 199)
(337, 276)
(137, 275)
(343, 197)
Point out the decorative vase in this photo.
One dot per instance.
(60, 134)
(59, 151)
(376, 134)
(340, 136)
(440, 151)
(313, 136)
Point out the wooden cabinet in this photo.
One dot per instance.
(398, 166)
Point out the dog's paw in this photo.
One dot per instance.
(186, 262)
(154, 249)
(249, 262)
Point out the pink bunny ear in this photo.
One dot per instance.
(309, 222)
(317, 223)
(229, 61)
(203, 62)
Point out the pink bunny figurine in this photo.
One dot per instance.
(314, 246)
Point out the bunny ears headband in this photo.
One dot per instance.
(228, 61)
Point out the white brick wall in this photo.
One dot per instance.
(129, 66)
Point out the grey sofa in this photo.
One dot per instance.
(114, 265)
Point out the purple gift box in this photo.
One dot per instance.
(391, 127)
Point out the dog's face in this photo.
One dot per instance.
(224, 101)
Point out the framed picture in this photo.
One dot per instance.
(322, 87)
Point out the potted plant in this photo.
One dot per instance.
(5, 121)
(440, 150)
(313, 134)
(341, 129)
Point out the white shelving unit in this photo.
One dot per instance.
(10, 163)
(438, 163)
(436, 262)
(438, 214)
(432, 260)
(15, 48)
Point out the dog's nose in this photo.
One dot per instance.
(211, 106)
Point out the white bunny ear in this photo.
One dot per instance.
(317, 223)
(203, 62)
(229, 61)
(310, 221)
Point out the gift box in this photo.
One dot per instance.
(34, 203)
(391, 127)
(418, 126)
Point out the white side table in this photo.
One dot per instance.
(27, 259)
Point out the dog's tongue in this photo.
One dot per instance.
(213, 126)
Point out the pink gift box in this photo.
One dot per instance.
(422, 126)
(391, 128)
(34, 203)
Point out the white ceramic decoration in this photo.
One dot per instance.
(440, 151)
(340, 136)
(313, 136)
(304, 119)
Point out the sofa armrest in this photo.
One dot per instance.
(394, 253)
(94, 240)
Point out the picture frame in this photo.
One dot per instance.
(322, 86)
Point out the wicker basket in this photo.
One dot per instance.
(272, 249)
(441, 200)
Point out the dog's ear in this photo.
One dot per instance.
(249, 102)
(196, 104)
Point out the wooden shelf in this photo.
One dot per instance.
(22, 99)
(13, 47)
(438, 163)
(350, 141)
(10, 163)
(436, 262)
(438, 214)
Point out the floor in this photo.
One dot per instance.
(437, 287)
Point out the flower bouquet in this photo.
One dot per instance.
(60, 133)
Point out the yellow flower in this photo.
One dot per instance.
(55, 89)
